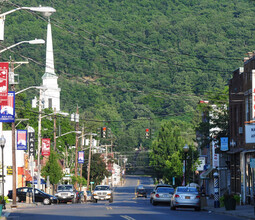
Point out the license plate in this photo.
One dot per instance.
(101, 198)
(187, 197)
(165, 195)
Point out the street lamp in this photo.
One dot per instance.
(35, 41)
(46, 11)
(2, 143)
(77, 132)
(185, 149)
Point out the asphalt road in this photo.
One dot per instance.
(125, 206)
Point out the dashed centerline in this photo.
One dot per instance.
(127, 217)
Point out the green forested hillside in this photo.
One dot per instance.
(133, 63)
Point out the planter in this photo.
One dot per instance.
(230, 204)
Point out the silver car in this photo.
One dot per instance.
(186, 197)
(162, 195)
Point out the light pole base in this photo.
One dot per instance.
(216, 204)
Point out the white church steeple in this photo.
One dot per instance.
(51, 96)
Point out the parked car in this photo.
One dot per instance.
(102, 192)
(162, 195)
(67, 193)
(186, 197)
(155, 188)
(82, 196)
(89, 196)
(141, 192)
(40, 196)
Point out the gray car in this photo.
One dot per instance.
(186, 197)
(162, 195)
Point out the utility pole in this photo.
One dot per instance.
(82, 144)
(90, 146)
(76, 144)
(55, 129)
(39, 141)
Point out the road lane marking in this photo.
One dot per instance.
(127, 217)
(108, 207)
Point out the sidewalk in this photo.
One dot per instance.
(242, 211)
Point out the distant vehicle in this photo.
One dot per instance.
(186, 197)
(67, 193)
(102, 192)
(89, 196)
(162, 195)
(141, 192)
(155, 188)
(140, 187)
(82, 196)
(40, 196)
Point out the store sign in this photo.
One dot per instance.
(9, 170)
(31, 142)
(201, 165)
(249, 133)
(46, 147)
(215, 157)
(7, 112)
(81, 157)
(4, 72)
(21, 139)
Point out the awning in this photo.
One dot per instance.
(204, 175)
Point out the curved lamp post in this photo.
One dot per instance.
(46, 11)
(2, 144)
(35, 41)
(186, 150)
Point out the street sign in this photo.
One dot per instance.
(91, 182)
(9, 170)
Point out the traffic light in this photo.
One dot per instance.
(147, 133)
(104, 132)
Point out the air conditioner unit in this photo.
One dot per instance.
(240, 130)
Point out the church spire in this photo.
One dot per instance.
(49, 52)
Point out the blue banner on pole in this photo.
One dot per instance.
(81, 157)
(224, 144)
(21, 139)
(7, 112)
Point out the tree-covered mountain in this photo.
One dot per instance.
(131, 64)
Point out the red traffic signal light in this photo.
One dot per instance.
(147, 133)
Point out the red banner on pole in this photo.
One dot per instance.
(46, 147)
(4, 72)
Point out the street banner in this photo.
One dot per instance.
(46, 147)
(4, 72)
(21, 139)
(81, 157)
(31, 142)
(224, 143)
(7, 112)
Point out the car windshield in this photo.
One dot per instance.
(65, 188)
(165, 190)
(102, 188)
(141, 190)
(187, 189)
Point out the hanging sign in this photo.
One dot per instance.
(81, 157)
(224, 143)
(7, 112)
(31, 142)
(9, 170)
(21, 139)
(46, 147)
(4, 72)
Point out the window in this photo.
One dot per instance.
(50, 102)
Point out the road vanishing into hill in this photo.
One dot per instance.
(125, 206)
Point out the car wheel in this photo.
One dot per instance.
(145, 196)
(110, 200)
(94, 200)
(197, 208)
(150, 200)
(154, 203)
(172, 207)
(46, 201)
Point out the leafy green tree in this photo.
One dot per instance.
(98, 169)
(53, 169)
